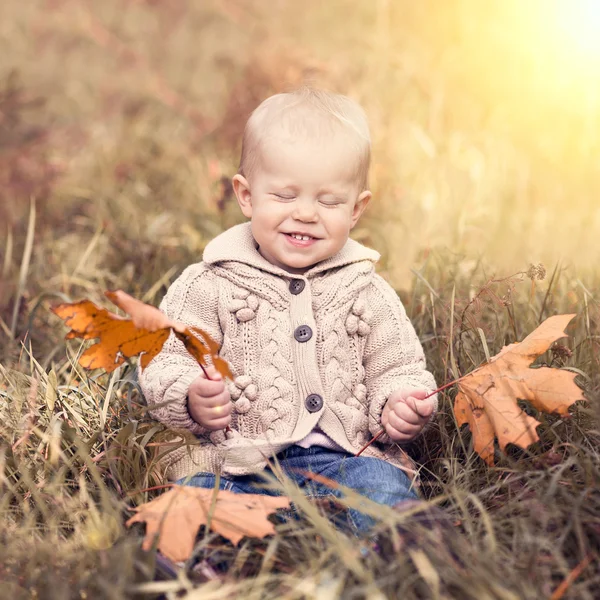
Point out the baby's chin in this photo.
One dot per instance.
(298, 266)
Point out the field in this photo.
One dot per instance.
(120, 128)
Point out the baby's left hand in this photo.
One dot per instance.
(406, 413)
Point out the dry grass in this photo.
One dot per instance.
(122, 122)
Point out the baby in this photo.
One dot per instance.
(322, 353)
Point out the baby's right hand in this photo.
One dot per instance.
(209, 402)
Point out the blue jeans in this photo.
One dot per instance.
(376, 479)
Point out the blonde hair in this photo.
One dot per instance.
(307, 110)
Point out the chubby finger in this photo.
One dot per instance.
(212, 373)
(419, 394)
(403, 393)
(217, 424)
(406, 413)
(403, 426)
(218, 409)
(198, 401)
(216, 413)
(221, 399)
(423, 408)
(207, 388)
(399, 436)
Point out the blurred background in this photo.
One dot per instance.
(120, 123)
(120, 130)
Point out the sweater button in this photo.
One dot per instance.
(313, 403)
(296, 286)
(303, 333)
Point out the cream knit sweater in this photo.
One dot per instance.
(326, 353)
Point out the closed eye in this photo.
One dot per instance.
(282, 197)
(332, 202)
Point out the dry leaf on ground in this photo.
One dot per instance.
(487, 397)
(177, 515)
(121, 338)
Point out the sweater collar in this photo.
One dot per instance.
(238, 244)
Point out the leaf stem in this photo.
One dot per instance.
(560, 591)
(556, 267)
(440, 389)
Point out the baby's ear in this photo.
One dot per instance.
(241, 187)
(359, 206)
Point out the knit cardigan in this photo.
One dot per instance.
(326, 353)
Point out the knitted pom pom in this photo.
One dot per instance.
(252, 301)
(352, 324)
(241, 294)
(251, 392)
(363, 328)
(242, 406)
(243, 381)
(236, 305)
(359, 307)
(244, 314)
(359, 318)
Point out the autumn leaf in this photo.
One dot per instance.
(176, 516)
(121, 338)
(487, 397)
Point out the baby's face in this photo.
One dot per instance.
(303, 199)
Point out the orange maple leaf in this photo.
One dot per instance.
(487, 397)
(176, 516)
(121, 338)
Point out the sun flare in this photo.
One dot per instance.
(578, 25)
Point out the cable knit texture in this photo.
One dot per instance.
(362, 348)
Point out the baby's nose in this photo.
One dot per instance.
(305, 210)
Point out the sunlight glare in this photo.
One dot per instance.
(579, 24)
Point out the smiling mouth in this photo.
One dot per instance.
(301, 236)
(301, 240)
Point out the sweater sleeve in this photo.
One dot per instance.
(393, 356)
(192, 300)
